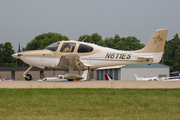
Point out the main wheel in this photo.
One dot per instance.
(70, 79)
(28, 77)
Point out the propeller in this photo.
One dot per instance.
(18, 54)
(18, 59)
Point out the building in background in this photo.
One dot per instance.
(126, 72)
(117, 72)
(37, 73)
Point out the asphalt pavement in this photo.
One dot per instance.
(90, 84)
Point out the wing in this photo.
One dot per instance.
(71, 61)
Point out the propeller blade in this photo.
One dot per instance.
(18, 59)
(18, 65)
(19, 48)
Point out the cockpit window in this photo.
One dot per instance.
(53, 47)
(68, 47)
(84, 48)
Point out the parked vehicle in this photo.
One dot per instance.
(9, 79)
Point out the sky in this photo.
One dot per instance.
(22, 20)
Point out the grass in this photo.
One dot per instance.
(17, 104)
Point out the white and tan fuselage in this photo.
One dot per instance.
(105, 57)
(82, 55)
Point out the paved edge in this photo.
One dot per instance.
(90, 84)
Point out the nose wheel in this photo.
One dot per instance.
(28, 77)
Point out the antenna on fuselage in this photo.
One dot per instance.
(85, 38)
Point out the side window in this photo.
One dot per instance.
(68, 47)
(84, 48)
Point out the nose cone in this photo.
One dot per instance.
(16, 55)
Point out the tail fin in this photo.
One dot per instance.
(156, 43)
(84, 75)
(135, 76)
(108, 77)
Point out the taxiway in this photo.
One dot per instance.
(90, 84)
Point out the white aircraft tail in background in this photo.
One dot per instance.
(145, 79)
(84, 75)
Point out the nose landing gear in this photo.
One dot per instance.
(28, 77)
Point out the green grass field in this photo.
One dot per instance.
(17, 104)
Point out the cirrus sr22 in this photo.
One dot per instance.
(81, 55)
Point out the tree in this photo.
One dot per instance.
(109, 42)
(5, 55)
(43, 40)
(84, 38)
(94, 38)
(132, 43)
(129, 43)
(172, 53)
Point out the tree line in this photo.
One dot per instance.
(171, 55)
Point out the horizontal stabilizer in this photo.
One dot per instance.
(145, 57)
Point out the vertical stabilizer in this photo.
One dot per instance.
(108, 77)
(84, 75)
(135, 76)
(156, 43)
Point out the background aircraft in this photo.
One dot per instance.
(145, 79)
(169, 79)
(81, 55)
(62, 77)
(108, 77)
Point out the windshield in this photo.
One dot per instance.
(53, 47)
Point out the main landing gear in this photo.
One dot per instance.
(28, 77)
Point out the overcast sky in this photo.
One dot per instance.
(22, 20)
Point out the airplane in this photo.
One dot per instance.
(145, 79)
(108, 77)
(62, 77)
(81, 55)
(55, 78)
(1, 79)
(169, 79)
